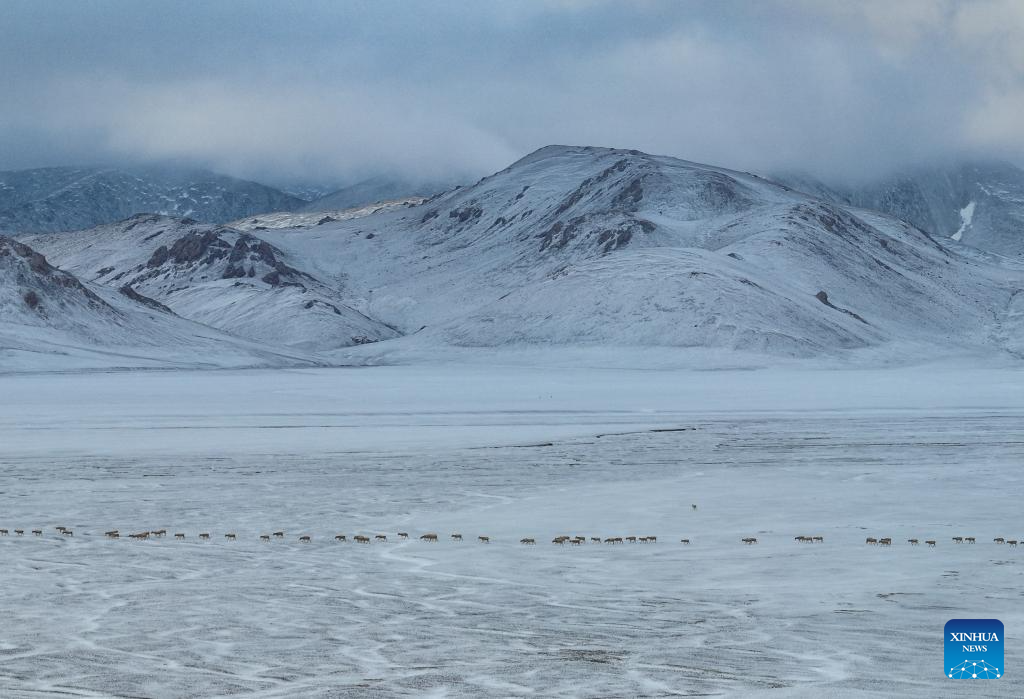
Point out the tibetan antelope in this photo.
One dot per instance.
(264, 537)
(930, 542)
(340, 537)
(204, 535)
(913, 542)
(180, 536)
(871, 540)
(999, 540)
(60, 529)
(360, 539)
(159, 532)
(887, 541)
(37, 532)
(818, 539)
(230, 536)
(1011, 542)
(684, 541)
(693, 506)
(456, 537)
(528, 541)
(803, 539)
(560, 540)
(278, 535)
(969, 539)
(958, 540)
(576, 542)
(305, 539)
(20, 532)
(3, 532)
(631, 539)
(403, 535)
(111, 533)
(429, 537)
(484, 539)
(142, 535)
(749, 540)
(381, 537)
(595, 540)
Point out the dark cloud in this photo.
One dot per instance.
(340, 90)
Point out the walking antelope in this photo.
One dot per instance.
(913, 542)
(340, 537)
(278, 535)
(631, 539)
(484, 539)
(3, 532)
(999, 540)
(456, 537)
(381, 537)
(19, 532)
(37, 532)
(749, 540)
(159, 532)
(803, 539)
(403, 535)
(264, 537)
(204, 535)
(871, 540)
(527, 541)
(887, 541)
(305, 539)
(360, 539)
(560, 540)
(139, 536)
(969, 539)
(180, 536)
(958, 540)
(431, 536)
(818, 539)
(112, 533)
(930, 542)
(1011, 542)
(595, 540)
(230, 536)
(684, 541)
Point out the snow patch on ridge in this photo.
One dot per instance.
(966, 216)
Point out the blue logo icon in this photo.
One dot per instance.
(974, 649)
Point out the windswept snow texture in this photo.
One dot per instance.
(844, 455)
(218, 276)
(299, 219)
(68, 198)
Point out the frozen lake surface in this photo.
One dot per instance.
(926, 453)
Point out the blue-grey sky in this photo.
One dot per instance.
(338, 90)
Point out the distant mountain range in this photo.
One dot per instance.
(978, 203)
(568, 247)
(68, 198)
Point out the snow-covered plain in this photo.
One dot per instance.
(926, 452)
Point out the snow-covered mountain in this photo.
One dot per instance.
(594, 246)
(979, 203)
(575, 247)
(68, 198)
(50, 319)
(219, 276)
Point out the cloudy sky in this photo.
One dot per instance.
(339, 90)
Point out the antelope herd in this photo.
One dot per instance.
(560, 540)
